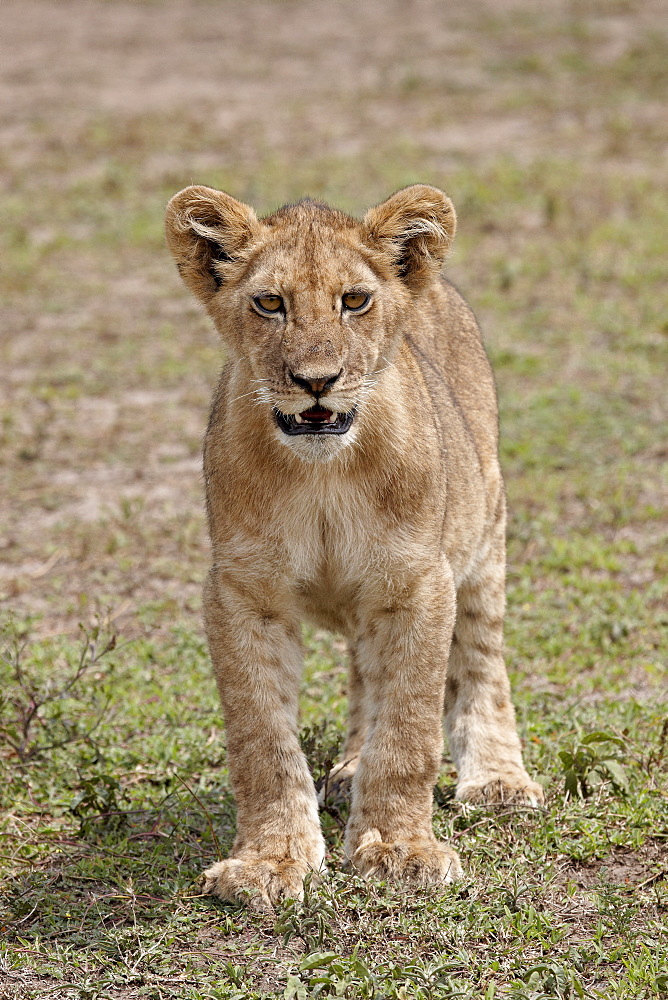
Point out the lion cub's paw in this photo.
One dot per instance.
(419, 863)
(498, 790)
(259, 883)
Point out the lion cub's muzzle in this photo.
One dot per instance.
(316, 420)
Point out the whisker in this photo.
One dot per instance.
(253, 392)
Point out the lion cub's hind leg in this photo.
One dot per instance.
(479, 716)
(339, 780)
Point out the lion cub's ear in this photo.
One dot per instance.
(416, 227)
(207, 231)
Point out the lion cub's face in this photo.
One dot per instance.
(308, 316)
(308, 301)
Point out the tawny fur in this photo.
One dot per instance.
(392, 533)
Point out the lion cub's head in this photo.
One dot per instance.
(310, 303)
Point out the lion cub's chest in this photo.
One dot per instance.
(331, 547)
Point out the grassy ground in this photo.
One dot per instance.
(544, 125)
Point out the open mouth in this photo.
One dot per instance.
(317, 420)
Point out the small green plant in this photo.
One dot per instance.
(310, 919)
(552, 979)
(38, 713)
(321, 747)
(99, 804)
(597, 758)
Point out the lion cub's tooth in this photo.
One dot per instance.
(332, 417)
(298, 418)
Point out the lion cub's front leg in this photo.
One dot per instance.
(402, 657)
(256, 652)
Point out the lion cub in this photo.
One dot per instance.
(352, 479)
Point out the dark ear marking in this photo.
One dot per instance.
(414, 228)
(206, 231)
(403, 266)
(219, 253)
(220, 256)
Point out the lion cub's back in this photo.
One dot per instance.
(447, 346)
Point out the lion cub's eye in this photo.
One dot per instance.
(354, 301)
(268, 303)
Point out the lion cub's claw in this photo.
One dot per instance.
(259, 883)
(418, 863)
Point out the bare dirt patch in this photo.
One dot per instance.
(621, 868)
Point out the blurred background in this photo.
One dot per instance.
(546, 124)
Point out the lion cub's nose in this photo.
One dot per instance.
(315, 383)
